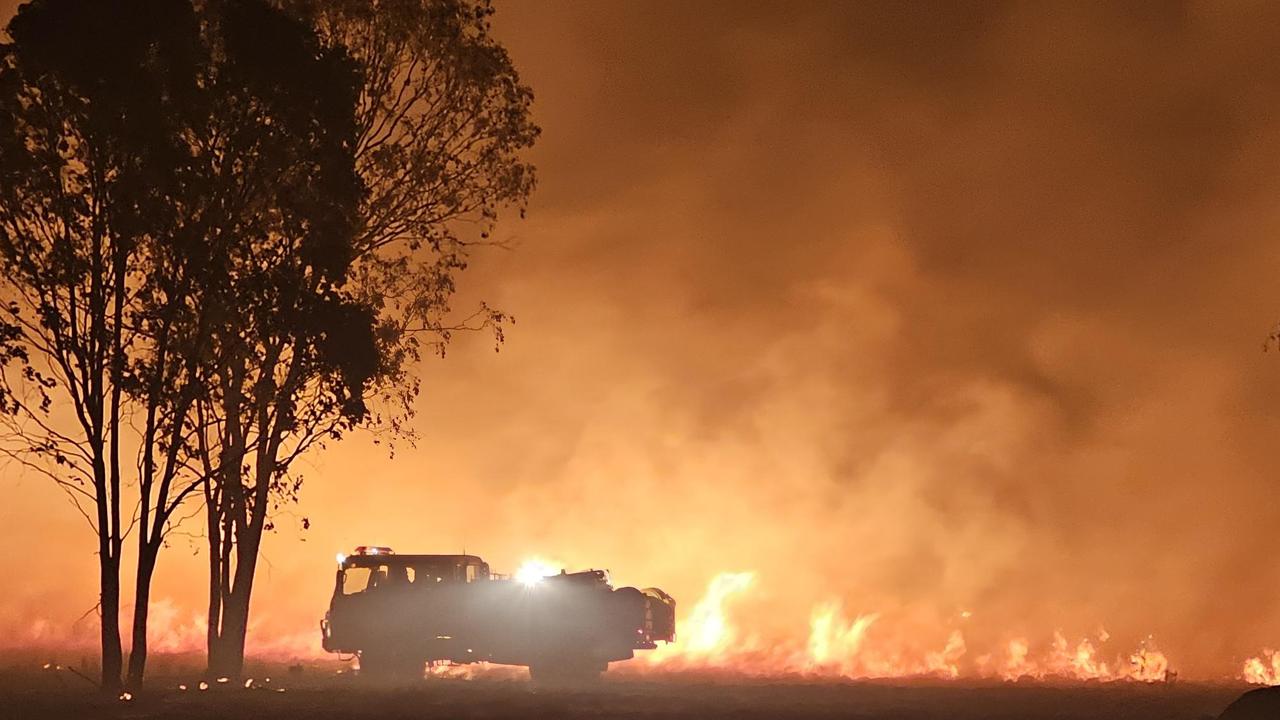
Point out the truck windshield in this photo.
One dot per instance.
(362, 579)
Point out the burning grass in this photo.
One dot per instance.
(862, 646)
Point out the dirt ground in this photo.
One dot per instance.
(316, 694)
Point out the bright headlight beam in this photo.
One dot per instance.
(533, 572)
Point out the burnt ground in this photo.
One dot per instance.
(322, 695)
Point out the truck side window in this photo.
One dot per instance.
(471, 573)
(355, 580)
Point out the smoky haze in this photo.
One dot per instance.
(920, 308)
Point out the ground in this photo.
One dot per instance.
(318, 695)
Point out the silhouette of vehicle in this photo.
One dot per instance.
(399, 612)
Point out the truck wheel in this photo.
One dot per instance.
(563, 673)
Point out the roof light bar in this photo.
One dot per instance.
(374, 550)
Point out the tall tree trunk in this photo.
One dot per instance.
(226, 523)
(235, 600)
(109, 544)
(142, 602)
(214, 527)
(234, 627)
(110, 490)
(109, 599)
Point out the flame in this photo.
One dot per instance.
(862, 645)
(707, 629)
(1148, 665)
(1264, 669)
(945, 662)
(1016, 666)
(833, 642)
(706, 637)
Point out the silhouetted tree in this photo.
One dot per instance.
(91, 159)
(280, 196)
(172, 176)
(440, 121)
(291, 359)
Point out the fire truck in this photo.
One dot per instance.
(399, 612)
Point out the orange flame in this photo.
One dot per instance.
(862, 646)
(706, 636)
(1264, 669)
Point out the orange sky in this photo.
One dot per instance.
(959, 306)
